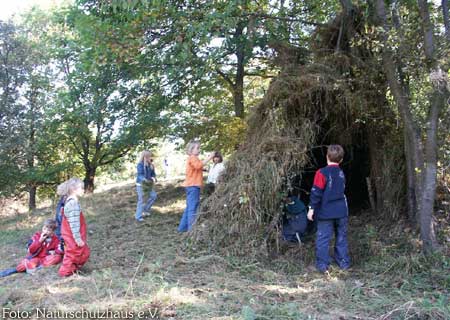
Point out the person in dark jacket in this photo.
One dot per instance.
(145, 179)
(295, 222)
(58, 215)
(328, 205)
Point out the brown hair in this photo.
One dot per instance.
(335, 153)
(50, 223)
(217, 154)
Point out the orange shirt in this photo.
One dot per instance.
(194, 172)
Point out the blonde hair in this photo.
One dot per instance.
(66, 188)
(144, 154)
(190, 146)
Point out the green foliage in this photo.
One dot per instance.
(199, 48)
(105, 109)
(27, 153)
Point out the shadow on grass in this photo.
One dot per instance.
(137, 266)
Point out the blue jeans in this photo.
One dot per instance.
(141, 204)
(325, 230)
(189, 214)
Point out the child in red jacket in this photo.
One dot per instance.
(44, 250)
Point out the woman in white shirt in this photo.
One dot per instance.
(215, 171)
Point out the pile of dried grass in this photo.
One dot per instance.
(239, 217)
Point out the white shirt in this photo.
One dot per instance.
(214, 172)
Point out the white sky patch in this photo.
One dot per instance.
(8, 8)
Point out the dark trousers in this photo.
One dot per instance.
(293, 226)
(325, 231)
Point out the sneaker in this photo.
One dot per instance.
(140, 220)
(322, 269)
(146, 214)
(34, 270)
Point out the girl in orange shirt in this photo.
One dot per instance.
(193, 183)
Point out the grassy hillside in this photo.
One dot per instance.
(151, 268)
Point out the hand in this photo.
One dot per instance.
(310, 214)
(80, 243)
(43, 237)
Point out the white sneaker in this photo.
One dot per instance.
(146, 214)
(33, 271)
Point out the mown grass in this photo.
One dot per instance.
(148, 267)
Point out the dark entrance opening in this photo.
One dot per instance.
(355, 165)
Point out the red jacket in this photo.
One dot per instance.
(41, 250)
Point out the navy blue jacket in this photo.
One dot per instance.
(295, 206)
(327, 194)
(58, 216)
(144, 172)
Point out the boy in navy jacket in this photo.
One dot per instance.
(328, 205)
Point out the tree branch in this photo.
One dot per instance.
(288, 19)
(427, 30)
(446, 18)
(261, 75)
(225, 77)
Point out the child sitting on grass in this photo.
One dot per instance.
(43, 250)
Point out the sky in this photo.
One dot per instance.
(10, 7)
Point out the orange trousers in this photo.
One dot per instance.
(50, 260)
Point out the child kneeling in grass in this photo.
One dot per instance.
(73, 230)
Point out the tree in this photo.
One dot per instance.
(420, 139)
(27, 162)
(12, 62)
(200, 48)
(104, 110)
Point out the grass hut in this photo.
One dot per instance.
(332, 92)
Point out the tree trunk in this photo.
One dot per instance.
(413, 141)
(31, 154)
(32, 199)
(238, 89)
(411, 199)
(374, 171)
(439, 98)
(89, 180)
(428, 236)
(446, 18)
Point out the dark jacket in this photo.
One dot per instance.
(58, 216)
(295, 206)
(327, 194)
(295, 222)
(144, 172)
